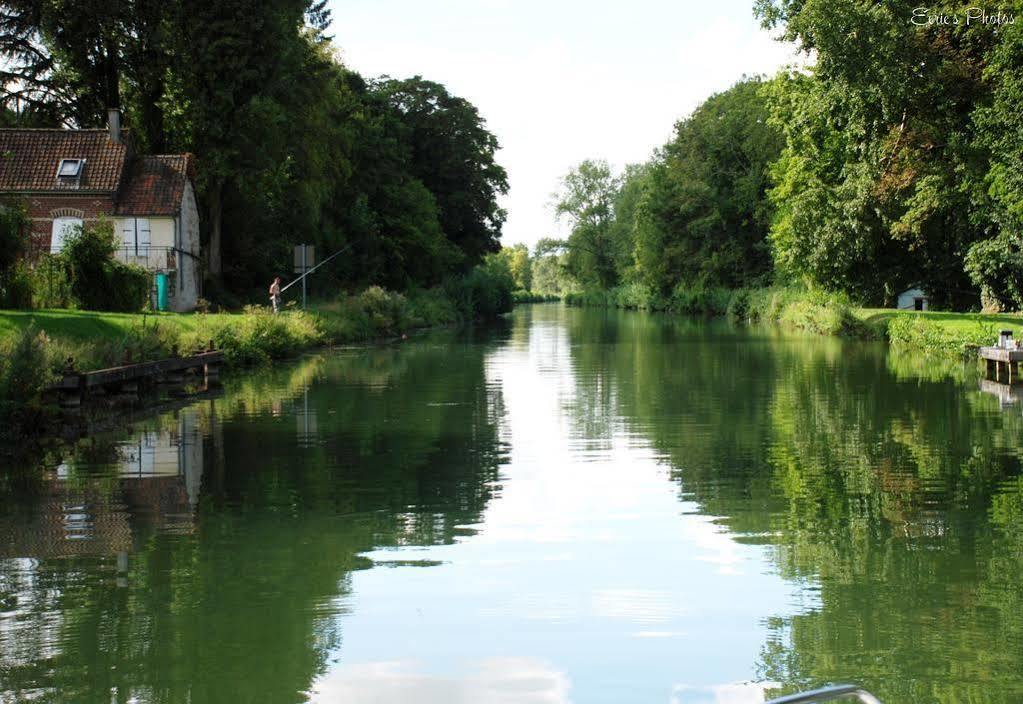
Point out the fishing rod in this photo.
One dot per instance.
(340, 251)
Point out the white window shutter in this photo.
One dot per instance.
(128, 227)
(143, 234)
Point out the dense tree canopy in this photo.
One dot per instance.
(703, 220)
(882, 184)
(586, 202)
(696, 215)
(894, 161)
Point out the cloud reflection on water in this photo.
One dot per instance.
(492, 681)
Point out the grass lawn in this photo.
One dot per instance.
(950, 321)
(87, 325)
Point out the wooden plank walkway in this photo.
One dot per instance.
(1002, 365)
(74, 385)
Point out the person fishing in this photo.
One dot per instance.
(275, 294)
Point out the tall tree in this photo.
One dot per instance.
(877, 184)
(704, 216)
(586, 201)
(233, 52)
(453, 154)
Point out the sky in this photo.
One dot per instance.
(560, 81)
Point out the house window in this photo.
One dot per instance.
(70, 168)
(63, 228)
(136, 236)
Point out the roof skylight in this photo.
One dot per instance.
(70, 168)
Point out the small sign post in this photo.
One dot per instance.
(305, 259)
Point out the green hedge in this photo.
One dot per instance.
(815, 312)
(917, 332)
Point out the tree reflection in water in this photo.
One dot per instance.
(122, 580)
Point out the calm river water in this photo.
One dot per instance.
(575, 506)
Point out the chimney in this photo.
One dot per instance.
(114, 124)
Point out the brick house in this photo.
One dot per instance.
(67, 178)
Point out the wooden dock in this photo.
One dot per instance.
(1002, 365)
(74, 385)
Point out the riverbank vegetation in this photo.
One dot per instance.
(806, 196)
(36, 346)
(818, 312)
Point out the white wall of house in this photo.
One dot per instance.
(913, 299)
(169, 245)
(188, 283)
(147, 238)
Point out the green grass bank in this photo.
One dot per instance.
(96, 340)
(931, 332)
(35, 345)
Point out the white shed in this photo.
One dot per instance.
(913, 299)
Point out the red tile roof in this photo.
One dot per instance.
(29, 159)
(155, 185)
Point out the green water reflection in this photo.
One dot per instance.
(579, 506)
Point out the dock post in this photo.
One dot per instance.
(70, 398)
(211, 371)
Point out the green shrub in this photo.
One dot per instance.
(428, 308)
(700, 301)
(917, 332)
(634, 296)
(387, 311)
(128, 287)
(996, 267)
(98, 281)
(13, 282)
(739, 305)
(256, 336)
(485, 292)
(523, 296)
(24, 375)
(17, 287)
(50, 283)
(597, 299)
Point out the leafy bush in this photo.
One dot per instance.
(50, 283)
(483, 293)
(700, 301)
(598, 299)
(24, 375)
(17, 287)
(739, 305)
(523, 296)
(98, 281)
(996, 266)
(634, 296)
(129, 287)
(917, 332)
(257, 336)
(427, 308)
(12, 248)
(387, 311)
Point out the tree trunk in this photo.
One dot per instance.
(213, 260)
(152, 118)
